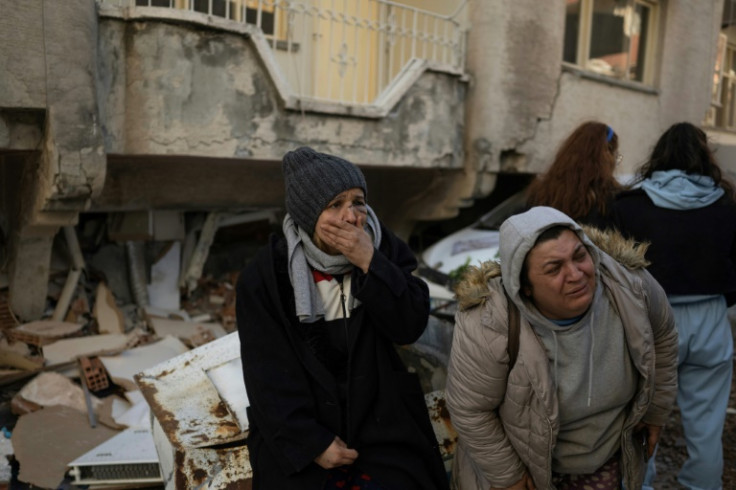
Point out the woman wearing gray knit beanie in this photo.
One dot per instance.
(319, 312)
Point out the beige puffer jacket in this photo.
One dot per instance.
(508, 428)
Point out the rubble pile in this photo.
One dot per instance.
(133, 378)
(126, 293)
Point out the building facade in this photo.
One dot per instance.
(119, 106)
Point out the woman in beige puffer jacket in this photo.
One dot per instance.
(586, 389)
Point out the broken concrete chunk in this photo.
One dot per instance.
(123, 366)
(109, 317)
(18, 356)
(67, 350)
(47, 440)
(43, 332)
(193, 334)
(48, 389)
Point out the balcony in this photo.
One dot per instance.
(350, 58)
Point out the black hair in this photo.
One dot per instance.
(684, 147)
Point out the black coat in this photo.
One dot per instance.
(692, 251)
(295, 410)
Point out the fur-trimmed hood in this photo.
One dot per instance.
(473, 287)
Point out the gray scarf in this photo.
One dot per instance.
(303, 253)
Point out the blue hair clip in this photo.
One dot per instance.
(609, 134)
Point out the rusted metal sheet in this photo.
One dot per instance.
(202, 468)
(198, 401)
(199, 397)
(443, 429)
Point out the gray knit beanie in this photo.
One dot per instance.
(312, 180)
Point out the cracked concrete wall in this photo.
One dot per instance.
(22, 79)
(184, 89)
(49, 110)
(688, 32)
(48, 58)
(523, 103)
(514, 53)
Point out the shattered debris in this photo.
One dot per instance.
(114, 309)
(140, 309)
(47, 440)
(43, 332)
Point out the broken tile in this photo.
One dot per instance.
(46, 441)
(192, 333)
(17, 355)
(109, 317)
(123, 366)
(67, 350)
(43, 332)
(51, 388)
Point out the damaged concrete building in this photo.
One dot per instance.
(166, 120)
(119, 106)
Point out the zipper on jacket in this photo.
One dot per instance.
(347, 347)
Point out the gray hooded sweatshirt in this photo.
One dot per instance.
(594, 376)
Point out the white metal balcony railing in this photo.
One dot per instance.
(339, 51)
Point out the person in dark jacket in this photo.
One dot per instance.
(580, 181)
(319, 313)
(687, 211)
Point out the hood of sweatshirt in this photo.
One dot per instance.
(573, 348)
(473, 288)
(517, 237)
(674, 189)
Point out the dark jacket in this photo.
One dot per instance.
(295, 411)
(692, 252)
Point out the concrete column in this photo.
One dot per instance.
(50, 51)
(514, 60)
(687, 68)
(29, 259)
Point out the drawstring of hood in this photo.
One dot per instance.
(554, 336)
(591, 327)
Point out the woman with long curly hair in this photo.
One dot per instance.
(580, 181)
